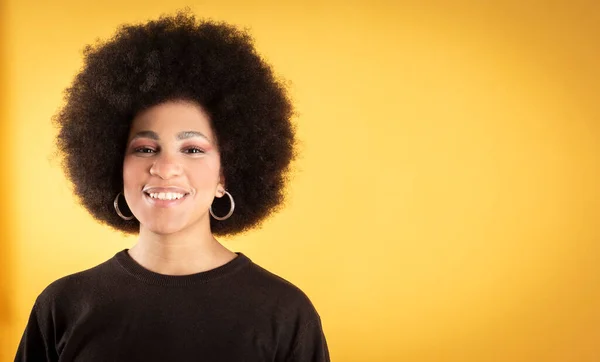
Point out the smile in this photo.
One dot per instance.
(165, 199)
(165, 195)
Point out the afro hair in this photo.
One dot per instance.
(178, 57)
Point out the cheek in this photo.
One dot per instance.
(204, 174)
(133, 169)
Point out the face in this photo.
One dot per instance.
(171, 170)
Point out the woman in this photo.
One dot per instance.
(178, 131)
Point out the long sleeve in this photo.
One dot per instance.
(34, 344)
(311, 345)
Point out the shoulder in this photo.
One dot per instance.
(291, 314)
(71, 287)
(273, 291)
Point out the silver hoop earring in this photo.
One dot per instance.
(116, 204)
(231, 208)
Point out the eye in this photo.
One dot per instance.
(194, 150)
(144, 150)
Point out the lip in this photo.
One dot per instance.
(157, 189)
(164, 203)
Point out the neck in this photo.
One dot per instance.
(182, 253)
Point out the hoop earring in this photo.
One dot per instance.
(116, 205)
(231, 208)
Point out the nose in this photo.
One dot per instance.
(166, 167)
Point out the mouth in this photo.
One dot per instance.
(165, 197)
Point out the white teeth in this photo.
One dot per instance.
(166, 195)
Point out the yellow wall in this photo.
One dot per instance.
(446, 205)
(6, 313)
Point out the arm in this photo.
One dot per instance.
(34, 344)
(311, 345)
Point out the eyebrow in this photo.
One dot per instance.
(180, 136)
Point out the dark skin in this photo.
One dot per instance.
(171, 176)
(178, 58)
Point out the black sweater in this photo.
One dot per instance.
(120, 311)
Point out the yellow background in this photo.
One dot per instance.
(446, 204)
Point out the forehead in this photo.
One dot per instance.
(173, 117)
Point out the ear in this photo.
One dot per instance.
(220, 192)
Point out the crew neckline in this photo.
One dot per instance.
(138, 271)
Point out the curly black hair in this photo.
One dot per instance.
(177, 57)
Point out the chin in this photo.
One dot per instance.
(162, 228)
